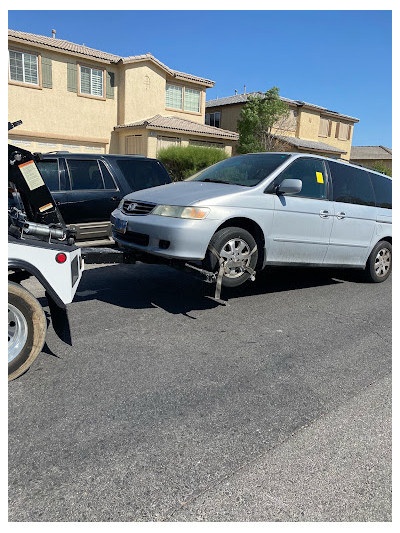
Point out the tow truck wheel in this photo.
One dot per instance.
(26, 329)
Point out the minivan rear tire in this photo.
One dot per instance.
(379, 264)
(232, 242)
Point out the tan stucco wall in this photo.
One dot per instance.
(143, 94)
(58, 112)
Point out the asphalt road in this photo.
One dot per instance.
(172, 407)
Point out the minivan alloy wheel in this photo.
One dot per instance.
(238, 249)
(236, 252)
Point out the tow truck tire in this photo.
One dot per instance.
(232, 242)
(27, 327)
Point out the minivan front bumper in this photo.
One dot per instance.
(172, 238)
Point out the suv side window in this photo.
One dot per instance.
(107, 177)
(50, 174)
(311, 172)
(84, 174)
(142, 173)
(351, 185)
(383, 190)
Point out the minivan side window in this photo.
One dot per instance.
(383, 190)
(351, 185)
(84, 174)
(311, 172)
(49, 171)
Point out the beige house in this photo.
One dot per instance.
(309, 128)
(71, 97)
(372, 155)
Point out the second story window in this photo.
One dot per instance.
(325, 127)
(24, 68)
(343, 131)
(213, 119)
(182, 98)
(91, 81)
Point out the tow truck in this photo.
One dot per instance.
(39, 245)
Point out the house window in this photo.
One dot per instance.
(325, 126)
(24, 67)
(213, 119)
(343, 131)
(191, 100)
(91, 81)
(182, 98)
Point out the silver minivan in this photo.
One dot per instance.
(254, 210)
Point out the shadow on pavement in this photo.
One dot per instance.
(143, 286)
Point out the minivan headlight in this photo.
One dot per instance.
(177, 211)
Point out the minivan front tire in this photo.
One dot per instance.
(237, 247)
(379, 264)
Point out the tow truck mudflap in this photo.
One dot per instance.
(59, 320)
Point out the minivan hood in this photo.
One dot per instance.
(185, 193)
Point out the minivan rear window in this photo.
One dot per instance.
(143, 174)
(383, 190)
(245, 170)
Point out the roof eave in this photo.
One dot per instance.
(176, 130)
(25, 42)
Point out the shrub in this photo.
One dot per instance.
(182, 162)
(381, 167)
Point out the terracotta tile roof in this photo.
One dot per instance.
(310, 145)
(67, 46)
(60, 44)
(243, 98)
(174, 73)
(370, 152)
(181, 125)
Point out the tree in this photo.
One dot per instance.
(258, 118)
(381, 167)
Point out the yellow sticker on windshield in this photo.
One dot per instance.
(320, 177)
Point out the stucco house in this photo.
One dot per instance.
(308, 128)
(372, 155)
(75, 98)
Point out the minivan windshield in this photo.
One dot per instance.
(245, 170)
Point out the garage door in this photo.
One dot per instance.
(37, 145)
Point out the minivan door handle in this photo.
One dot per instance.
(114, 198)
(324, 213)
(341, 215)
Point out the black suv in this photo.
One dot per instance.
(88, 187)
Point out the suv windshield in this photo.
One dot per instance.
(246, 170)
(142, 174)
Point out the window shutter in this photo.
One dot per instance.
(47, 78)
(72, 77)
(110, 85)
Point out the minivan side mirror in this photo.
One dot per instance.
(289, 186)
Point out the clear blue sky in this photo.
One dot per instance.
(341, 60)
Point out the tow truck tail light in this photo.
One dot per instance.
(61, 257)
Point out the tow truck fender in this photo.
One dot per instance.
(58, 309)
